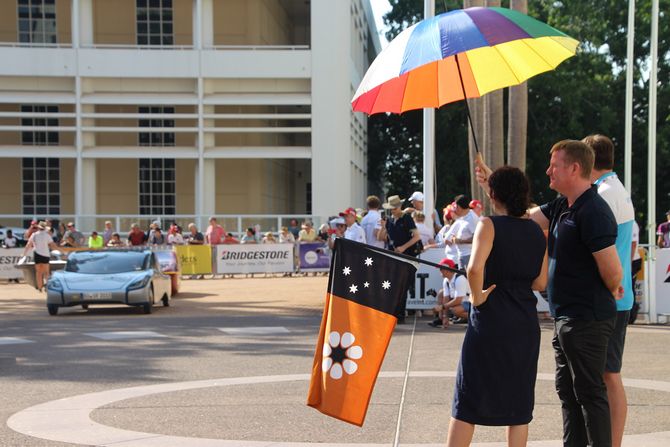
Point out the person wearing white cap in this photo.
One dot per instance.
(338, 227)
(417, 199)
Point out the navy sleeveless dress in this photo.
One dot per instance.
(495, 383)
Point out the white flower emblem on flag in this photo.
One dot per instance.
(339, 354)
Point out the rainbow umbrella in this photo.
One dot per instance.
(458, 54)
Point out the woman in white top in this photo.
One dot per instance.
(41, 243)
(285, 236)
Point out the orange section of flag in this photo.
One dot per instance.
(349, 353)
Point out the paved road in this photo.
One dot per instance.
(244, 330)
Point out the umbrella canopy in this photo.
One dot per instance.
(461, 53)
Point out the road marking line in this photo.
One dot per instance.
(259, 330)
(14, 341)
(124, 335)
(68, 420)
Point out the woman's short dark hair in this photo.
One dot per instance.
(510, 187)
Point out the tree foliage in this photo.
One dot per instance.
(584, 95)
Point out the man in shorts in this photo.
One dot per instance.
(453, 297)
(616, 196)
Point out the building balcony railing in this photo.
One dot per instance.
(119, 46)
(35, 45)
(138, 61)
(233, 223)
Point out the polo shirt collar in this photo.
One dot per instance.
(586, 195)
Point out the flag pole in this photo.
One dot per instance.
(406, 257)
(429, 143)
(651, 160)
(630, 64)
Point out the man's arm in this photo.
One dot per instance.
(416, 237)
(538, 217)
(609, 267)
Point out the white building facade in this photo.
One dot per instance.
(159, 108)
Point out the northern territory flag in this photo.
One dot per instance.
(364, 288)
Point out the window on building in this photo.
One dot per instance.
(156, 138)
(40, 185)
(157, 186)
(154, 22)
(308, 198)
(39, 137)
(37, 21)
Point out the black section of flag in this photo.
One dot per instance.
(369, 277)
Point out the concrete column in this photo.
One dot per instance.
(88, 138)
(209, 187)
(88, 193)
(331, 109)
(207, 23)
(85, 23)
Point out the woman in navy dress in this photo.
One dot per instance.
(495, 383)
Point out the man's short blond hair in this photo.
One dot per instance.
(576, 152)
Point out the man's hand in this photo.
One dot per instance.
(619, 293)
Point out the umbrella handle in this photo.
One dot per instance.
(467, 107)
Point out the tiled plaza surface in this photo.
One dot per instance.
(228, 365)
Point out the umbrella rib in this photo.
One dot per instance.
(551, 67)
(518, 81)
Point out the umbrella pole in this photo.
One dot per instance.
(467, 107)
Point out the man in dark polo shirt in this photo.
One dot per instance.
(402, 236)
(584, 278)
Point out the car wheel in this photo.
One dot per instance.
(84, 306)
(166, 301)
(147, 307)
(53, 309)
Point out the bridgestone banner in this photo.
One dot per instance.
(254, 258)
(8, 258)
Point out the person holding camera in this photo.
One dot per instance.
(401, 235)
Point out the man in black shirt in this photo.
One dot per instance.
(402, 236)
(584, 279)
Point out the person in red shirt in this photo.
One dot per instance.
(136, 237)
(215, 232)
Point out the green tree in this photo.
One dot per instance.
(584, 95)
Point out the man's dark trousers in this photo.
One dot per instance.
(580, 348)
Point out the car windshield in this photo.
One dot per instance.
(107, 262)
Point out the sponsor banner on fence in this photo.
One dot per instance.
(167, 260)
(252, 258)
(195, 259)
(662, 292)
(314, 256)
(8, 259)
(427, 282)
